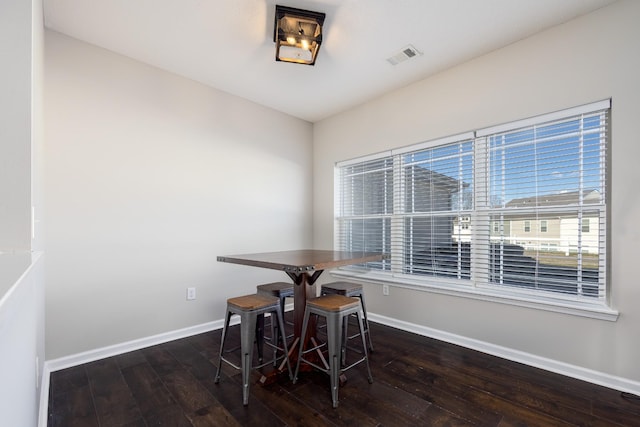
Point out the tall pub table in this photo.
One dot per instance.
(303, 267)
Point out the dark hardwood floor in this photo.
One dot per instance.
(418, 381)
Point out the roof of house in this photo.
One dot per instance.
(427, 175)
(567, 198)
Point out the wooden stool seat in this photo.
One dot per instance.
(251, 302)
(334, 302)
(343, 288)
(277, 289)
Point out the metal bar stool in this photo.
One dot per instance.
(335, 309)
(349, 290)
(282, 291)
(249, 307)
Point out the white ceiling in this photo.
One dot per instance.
(228, 44)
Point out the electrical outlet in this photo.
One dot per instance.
(191, 294)
(385, 289)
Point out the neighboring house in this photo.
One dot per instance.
(555, 232)
(542, 232)
(462, 229)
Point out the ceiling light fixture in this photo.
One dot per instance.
(297, 34)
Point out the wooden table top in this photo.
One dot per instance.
(303, 260)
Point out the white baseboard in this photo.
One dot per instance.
(125, 347)
(595, 377)
(114, 350)
(591, 376)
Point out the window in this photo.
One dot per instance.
(454, 212)
(366, 201)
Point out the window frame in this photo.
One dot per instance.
(544, 226)
(599, 308)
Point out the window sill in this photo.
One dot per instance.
(575, 308)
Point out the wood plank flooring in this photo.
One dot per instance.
(418, 381)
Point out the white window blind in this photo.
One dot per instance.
(364, 207)
(518, 208)
(434, 205)
(546, 185)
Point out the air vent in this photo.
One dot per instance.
(405, 53)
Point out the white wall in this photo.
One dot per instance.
(21, 278)
(585, 60)
(15, 125)
(21, 339)
(37, 129)
(148, 177)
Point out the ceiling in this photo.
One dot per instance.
(228, 44)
